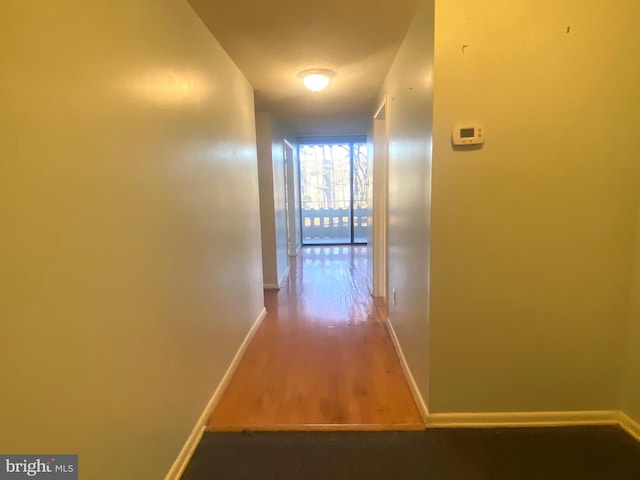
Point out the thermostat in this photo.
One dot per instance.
(465, 134)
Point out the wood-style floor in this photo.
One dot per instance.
(322, 358)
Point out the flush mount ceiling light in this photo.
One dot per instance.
(316, 79)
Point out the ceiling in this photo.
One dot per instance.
(272, 41)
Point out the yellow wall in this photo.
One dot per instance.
(532, 235)
(408, 89)
(267, 219)
(129, 250)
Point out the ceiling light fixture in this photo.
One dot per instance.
(317, 79)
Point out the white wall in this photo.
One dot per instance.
(273, 217)
(279, 197)
(377, 239)
(130, 246)
(409, 114)
(532, 235)
(293, 198)
(296, 176)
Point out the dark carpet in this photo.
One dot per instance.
(436, 454)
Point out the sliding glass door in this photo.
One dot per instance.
(333, 188)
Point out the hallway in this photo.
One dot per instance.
(322, 359)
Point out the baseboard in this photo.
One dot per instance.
(283, 277)
(523, 419)
(415, 391)
(271, 286)
(180, 464)
(631, 426)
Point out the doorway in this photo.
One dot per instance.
(333, 191)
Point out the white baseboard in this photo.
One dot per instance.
(536, 419)
(180, 464)
(523, 419)
(284, 276)
(415, 391)
(631, 426)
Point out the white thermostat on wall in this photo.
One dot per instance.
(467, 134)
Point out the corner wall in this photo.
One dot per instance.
(297, 193)
(279, 190)
(130, 246)
(267, 207)
(273, 215)
(408, 88)
(532, 235)
(630, 386)
(293, 197)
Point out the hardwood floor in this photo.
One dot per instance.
(322, 359)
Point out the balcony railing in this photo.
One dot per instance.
(331, 225)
